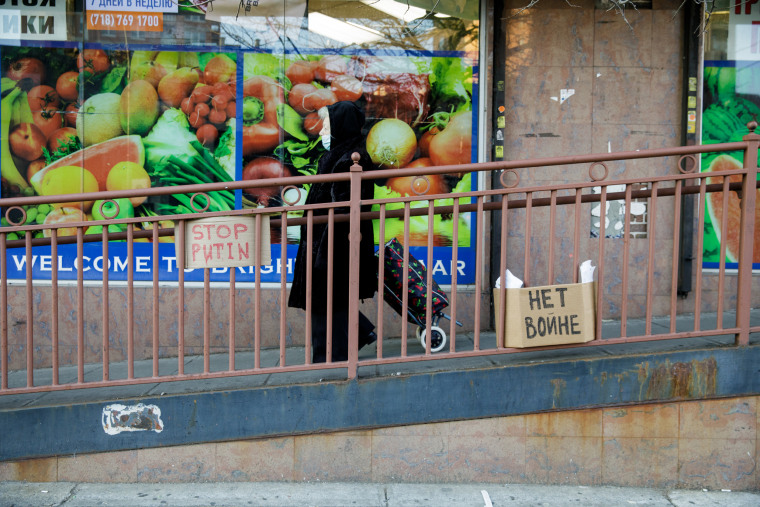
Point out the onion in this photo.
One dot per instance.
(391, 143)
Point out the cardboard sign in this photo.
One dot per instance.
(548, 315)
(225, 242)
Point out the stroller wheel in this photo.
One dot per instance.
(438, 338)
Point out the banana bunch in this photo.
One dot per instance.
(14, 109)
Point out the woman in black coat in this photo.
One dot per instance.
(342, 136)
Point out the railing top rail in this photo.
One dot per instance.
(386, 173)
(567, 160)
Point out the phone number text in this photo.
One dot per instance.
(130, 21)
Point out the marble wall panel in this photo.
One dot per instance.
(667, 39)
(191, 463)
(535, 95)
(622, 95)
(255, 460)
(549, 37)
(524, 141)
(640, 462)
(349, 454)
(629, 137)
(622, 42)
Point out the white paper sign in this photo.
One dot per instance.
(132, 5)
(32, 20)
(744, 30)
(255, 8)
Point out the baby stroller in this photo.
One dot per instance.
(417, 293)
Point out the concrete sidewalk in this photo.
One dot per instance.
(19, 494)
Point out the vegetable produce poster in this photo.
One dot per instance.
(82, 120)
(418, 113)
(731, 100)
(91, 119)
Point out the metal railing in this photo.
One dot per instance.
(58, 335)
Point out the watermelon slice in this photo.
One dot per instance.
(715, 210)
(99, 159)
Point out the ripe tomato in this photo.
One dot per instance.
(424, 143)
(70, 116)
(67, 86)
(94, 61)
(48, 120)
(420, 162)
(61, 137)
(418, 185)
(453, 145)
(42, 96)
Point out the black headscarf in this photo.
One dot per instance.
(346, 122)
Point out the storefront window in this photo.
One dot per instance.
(731, 99)
(125, 94)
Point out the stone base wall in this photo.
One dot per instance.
(710, 444)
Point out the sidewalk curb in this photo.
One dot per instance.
(281, 494)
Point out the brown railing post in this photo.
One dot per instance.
(747, 231)
(354, 237)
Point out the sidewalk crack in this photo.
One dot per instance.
(71, 494)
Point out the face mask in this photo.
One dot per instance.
(326, 141)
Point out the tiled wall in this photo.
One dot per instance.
(697, 444)
(168, 330)
(626, 84)
(626, 79)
